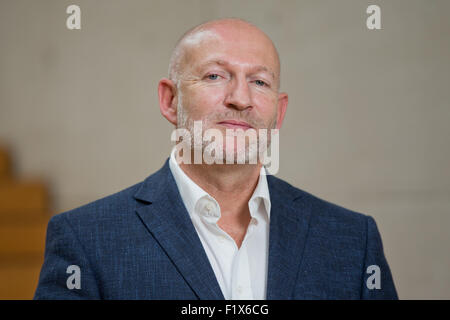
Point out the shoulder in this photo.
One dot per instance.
(322, 211)
(113, 208)
(114, 212)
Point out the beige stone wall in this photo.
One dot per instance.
(367, 127)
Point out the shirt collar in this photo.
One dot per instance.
(261, 192)
(191, 193)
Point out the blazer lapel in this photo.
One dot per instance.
(289, 223)
(167, 219)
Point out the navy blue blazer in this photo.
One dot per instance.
(141, 244)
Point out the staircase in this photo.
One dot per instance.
(24, 214)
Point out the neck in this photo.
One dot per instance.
(231, 185)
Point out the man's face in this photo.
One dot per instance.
(229, 80)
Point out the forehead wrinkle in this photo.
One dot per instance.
(220, 62)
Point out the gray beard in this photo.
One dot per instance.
(252, 150)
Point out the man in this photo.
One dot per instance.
(216, 231)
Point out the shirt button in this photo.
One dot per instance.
(239, 289)
(209, 209)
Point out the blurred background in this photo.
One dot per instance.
(367, 127)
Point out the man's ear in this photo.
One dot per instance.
(282, 107)
(167, 93)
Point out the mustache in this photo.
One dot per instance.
(253, 121)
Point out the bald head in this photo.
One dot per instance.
(223, 70)
(208, 34)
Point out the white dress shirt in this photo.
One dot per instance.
(240, 272)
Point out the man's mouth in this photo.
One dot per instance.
(235, 124)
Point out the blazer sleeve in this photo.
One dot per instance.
(63, 249)
(377, 277)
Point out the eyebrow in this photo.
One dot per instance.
(258, 68)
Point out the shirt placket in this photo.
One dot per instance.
(241, 277)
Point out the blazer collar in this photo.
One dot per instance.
(289, 224)
(165, 216)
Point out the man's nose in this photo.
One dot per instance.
(238, 95)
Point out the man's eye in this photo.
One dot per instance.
(260, 83)
(213, 76)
